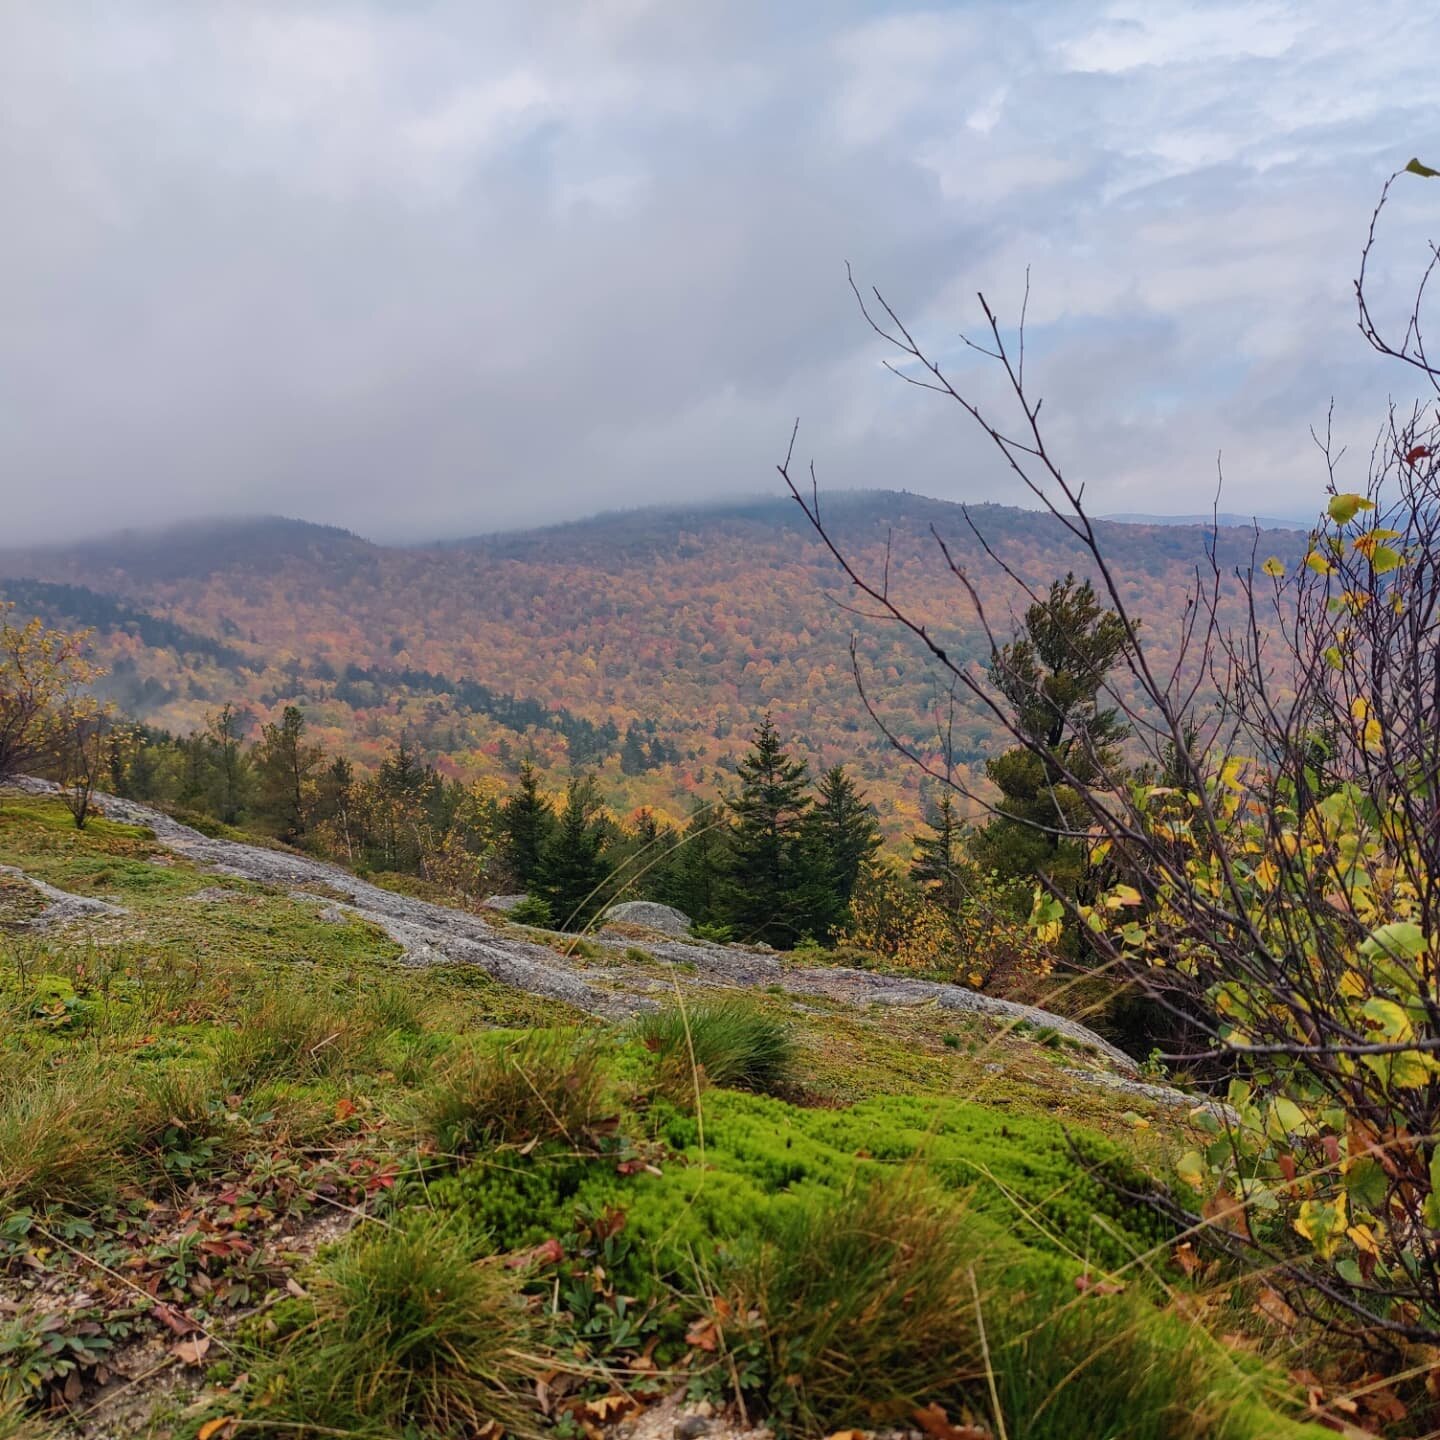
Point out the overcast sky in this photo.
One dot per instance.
(426, 269)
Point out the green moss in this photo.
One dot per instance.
(1020, 1177)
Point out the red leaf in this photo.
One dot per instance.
(548, 1252)
(1420, 452)
(175, 1321)
(937, 1424)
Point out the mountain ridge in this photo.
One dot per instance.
(686, 623)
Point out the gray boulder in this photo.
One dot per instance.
(503, 903)
(664, 918)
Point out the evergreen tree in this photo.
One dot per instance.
(765, 888)
(1051, 675)
(694, 875)
(937, 863)
(573, 865)
(525, 822)
(403, 773)
(231, 765)
(285, 769)
(633, 757)
(842, 832)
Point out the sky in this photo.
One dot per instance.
(428, 268)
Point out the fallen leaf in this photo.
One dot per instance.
(176, 1321)
(937, 1424)
(608, 1407)
(191, 1352)
(1272, 1306)
(220, 1429)
(548, 1252)
(1086, 1286)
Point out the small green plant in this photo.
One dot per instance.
(411, 1332)
(1153, 1068)
(546, 1085)
(717, 934)
(534, 910)
(731, 1040)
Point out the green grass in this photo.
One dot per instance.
(246, 1065)
(729, 1040)
(410, 1330)
(545, 1085)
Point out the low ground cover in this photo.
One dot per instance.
(325, 1193)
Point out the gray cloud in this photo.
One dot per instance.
(452, 266)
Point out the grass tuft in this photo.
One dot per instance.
(295, 1036)
(60, 1138)
(546, 1085)
(850, 1311)
(411, 1334)
(730, 1040)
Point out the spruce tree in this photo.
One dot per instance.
(526, 820)
(937, 864)
(633, 758)
(768, 874)
(284, 770)
(233, 767)
(573, 864)
(696, 869)
(1051, 675)
(843, 831)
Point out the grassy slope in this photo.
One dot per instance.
(232, 1080)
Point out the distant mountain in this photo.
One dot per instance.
(681, 623)
(1226, 519)
(192, 550)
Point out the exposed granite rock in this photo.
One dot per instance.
(653, 916)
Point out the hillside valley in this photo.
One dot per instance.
(645, 644)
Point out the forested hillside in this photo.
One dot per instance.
(645, 644)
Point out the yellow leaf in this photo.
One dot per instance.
(1363, 1238)
(1274, 566)
(1393, 1022)
(1190, 1167)
(1345, 507)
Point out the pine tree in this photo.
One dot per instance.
(525, 822)
(1051, 675)
(764, 897)
(232, 765)
(937, 863)
(403, 773)
(843, 831)
(285, 769)
(573, 864)
(633, 758)
(694, 877)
